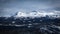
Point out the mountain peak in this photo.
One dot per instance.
(35, 14)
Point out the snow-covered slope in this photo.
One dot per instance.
(36, 14)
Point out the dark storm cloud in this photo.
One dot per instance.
(10, 7)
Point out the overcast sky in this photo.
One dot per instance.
(10, 7)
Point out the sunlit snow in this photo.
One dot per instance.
(36, 14)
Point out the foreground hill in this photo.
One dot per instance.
(27, 25)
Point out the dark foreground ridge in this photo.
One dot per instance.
(42, 25)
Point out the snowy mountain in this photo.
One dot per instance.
(36, 14)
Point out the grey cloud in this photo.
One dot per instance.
(12, 6)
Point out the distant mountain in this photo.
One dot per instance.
(36, 14)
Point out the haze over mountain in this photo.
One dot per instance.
(10, 7)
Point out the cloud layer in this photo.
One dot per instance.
(8, 8)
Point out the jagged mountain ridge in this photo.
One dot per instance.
(36, 14)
